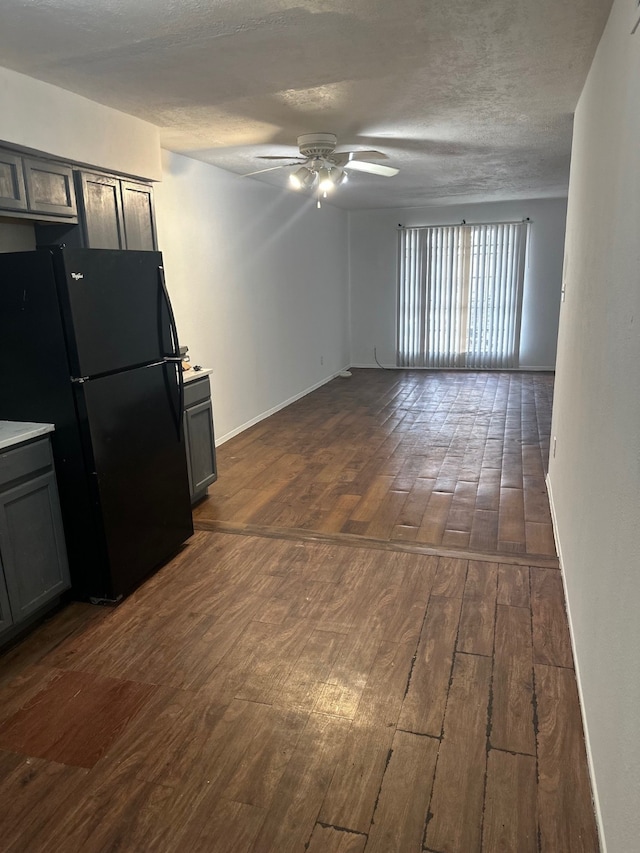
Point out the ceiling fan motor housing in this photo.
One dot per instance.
(317, 144)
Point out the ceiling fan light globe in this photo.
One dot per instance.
(302, 178)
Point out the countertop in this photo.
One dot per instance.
(15, 432)
(191, 374)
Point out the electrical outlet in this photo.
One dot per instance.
(321, 360)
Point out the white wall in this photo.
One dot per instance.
(373, 271)
(595, 476)
(37, 115)
(258, 281)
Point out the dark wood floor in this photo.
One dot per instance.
(452, 460)
(274, 690)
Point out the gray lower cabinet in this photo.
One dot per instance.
(199, 437)
(34, 570)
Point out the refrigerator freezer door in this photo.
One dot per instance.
(132, 431)
(115, 309)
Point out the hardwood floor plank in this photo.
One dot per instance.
(540, 538)
(413, 509)
(327, 839)
(458, 788)
(274, 661)
(511, 525)
(74, 718)
(512, 725)
(271, 744)
(352, 795)
(450, 578)
(426, 696)
(406, 617)
(565, 807)
(401, 811)
(371, 498)
(475, 634)
(510, 815)
(303, 686)
(434, 521)
(230, 826)
(484, 531)
(551, 641)
(32, 792)
(297, 799)
(340, 512)
(513, 585)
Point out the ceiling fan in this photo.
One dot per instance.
(321, 168)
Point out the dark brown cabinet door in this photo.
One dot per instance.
(101, 211)
(12, 189)
(50, 188)
(139, 216)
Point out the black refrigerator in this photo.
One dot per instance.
(88, 342)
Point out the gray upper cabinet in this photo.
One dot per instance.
(100, 211)
(50, 189)
(115, 213)
(77, 207)
(13, 195)
(139, 216)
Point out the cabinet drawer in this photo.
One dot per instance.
(196, 391)
(24, 460)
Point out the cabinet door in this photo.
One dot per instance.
(32, 545)
(201, 450)
(139, 216)
(50, 188)
(12, 190)
(6, 620)
(101, 211)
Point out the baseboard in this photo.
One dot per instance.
(277, 408)
(522, 369)
(576, 663)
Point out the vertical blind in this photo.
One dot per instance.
(460, 295)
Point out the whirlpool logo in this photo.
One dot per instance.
(76, 276)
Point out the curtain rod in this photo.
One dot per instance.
(464, 222)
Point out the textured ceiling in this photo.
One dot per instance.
(471, 99)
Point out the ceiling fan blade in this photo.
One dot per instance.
(342, 157)
(270, 169)
(275, 157)
(372, 168)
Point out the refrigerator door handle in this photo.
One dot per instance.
(172, 320)
(175, 357)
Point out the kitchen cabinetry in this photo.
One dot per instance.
(49, 188)
(13, 194)
(199, 436)
(77, 207)
(33, 561)
(115, 213)
(36, 189)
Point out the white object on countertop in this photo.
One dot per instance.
(15, 432)
(191, 374)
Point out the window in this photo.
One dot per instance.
(460, 295)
